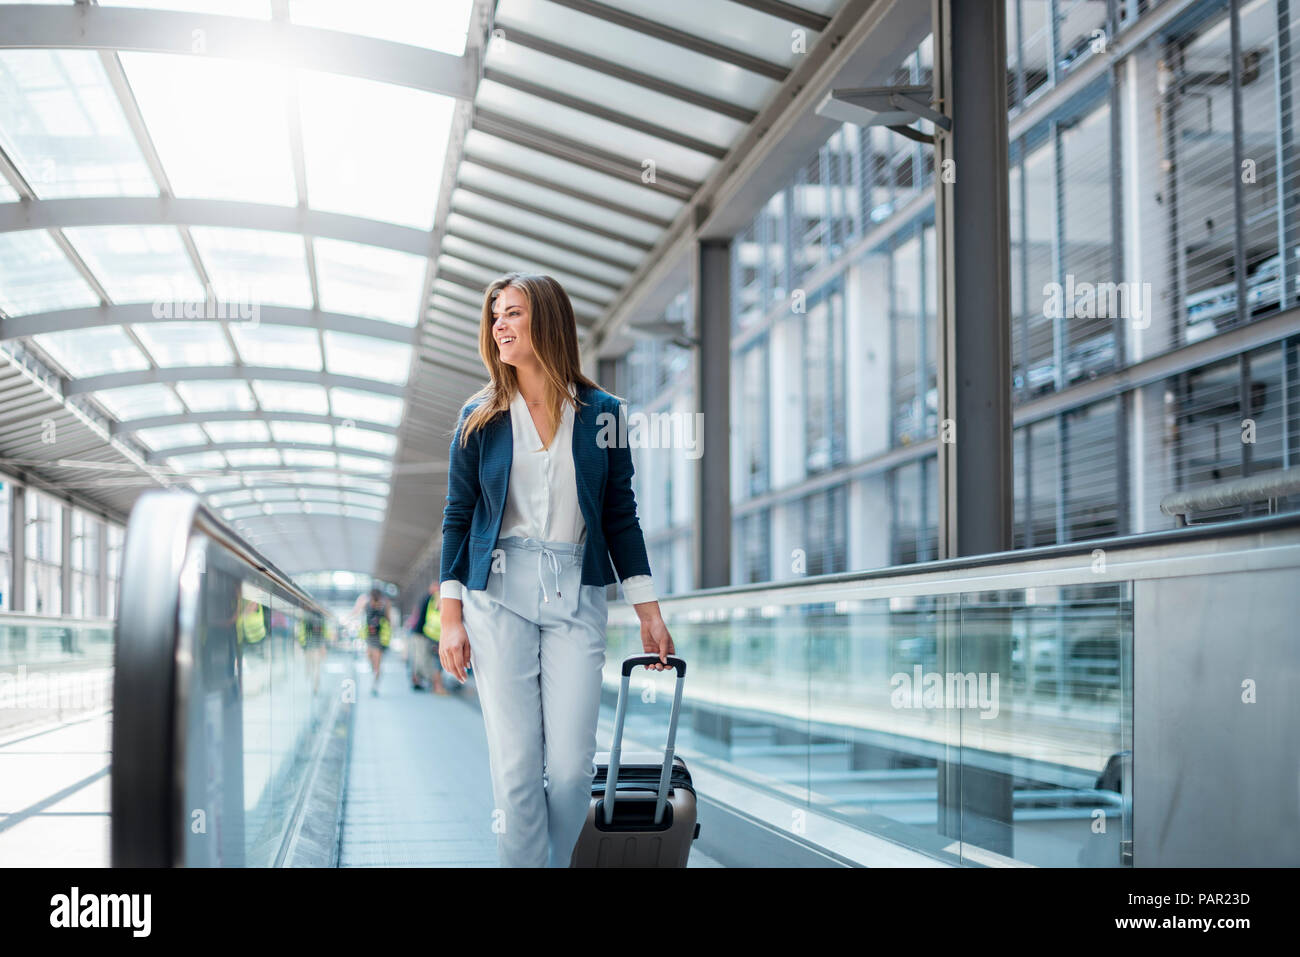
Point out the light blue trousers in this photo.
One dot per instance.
(537, 649)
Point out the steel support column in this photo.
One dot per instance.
(712, 286)
(607, 376)
(65, 560)
(18, 548)
(101, 569)
(974, 297)
(974, 372)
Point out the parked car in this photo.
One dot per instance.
(1089, 359)
(1213, 309)
(1039, 380)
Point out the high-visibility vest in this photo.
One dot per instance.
(432, 622)
(251, 626)
(302, 632)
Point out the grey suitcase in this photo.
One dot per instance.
(642, 810)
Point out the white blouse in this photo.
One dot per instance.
(542, 500)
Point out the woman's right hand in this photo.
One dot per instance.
(453, 648)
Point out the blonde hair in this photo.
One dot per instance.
(553, 330)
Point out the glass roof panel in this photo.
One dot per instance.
(255, 265)
(348, 511)
(139, 401)
(738, 27)
(364, 514)
(196, 461)
(472, 203)
(292, 478)
(35, 276)
(573, 285)
(369, 358)
(366, 406)
(368, 485)
(368, 281)
(216, 482)
(265, 344)
(186, 343)
(616, 94)
(138, 263)
(288, 508)
(243, 511)
(471, 271)
(222, 499)
(373, 149)
(218, 125)
(318, 495)
(172, 436)
(313, 433)
(366, 501)
(555, 202)
(638, 51)
(291, 397)
(474, 230)
(93, 351)
(216, 395)
(454, 308)
(237, 430)
(574, 124)
(63, 126)
(437, 26)
(238, 458)
(583, 307)
(305, 458)
(255, 9)
(7, 193)
(277, 495)
(362, 463)
(366, 439)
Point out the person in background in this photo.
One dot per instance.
(377, 629)
(311, 639)
(426, 629)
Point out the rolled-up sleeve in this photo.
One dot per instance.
(638, 589)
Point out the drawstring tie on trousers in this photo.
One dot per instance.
(555, 568)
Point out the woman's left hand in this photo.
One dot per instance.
(655, 639)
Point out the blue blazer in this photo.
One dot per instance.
(479, 479)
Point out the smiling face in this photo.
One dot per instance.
(511, 327)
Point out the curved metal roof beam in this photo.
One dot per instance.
(259, 473)
(201, 418)
(135, 313)
(85, 27)
(228, 213)
(116, 380)
(299, 513)
(308, 487)
(159, 456)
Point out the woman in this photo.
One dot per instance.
(378, 632)
(526, 556)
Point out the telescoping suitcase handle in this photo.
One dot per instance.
(616, 746)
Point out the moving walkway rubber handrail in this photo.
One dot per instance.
(152, 672)
(20, 618)
(1262, 487)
